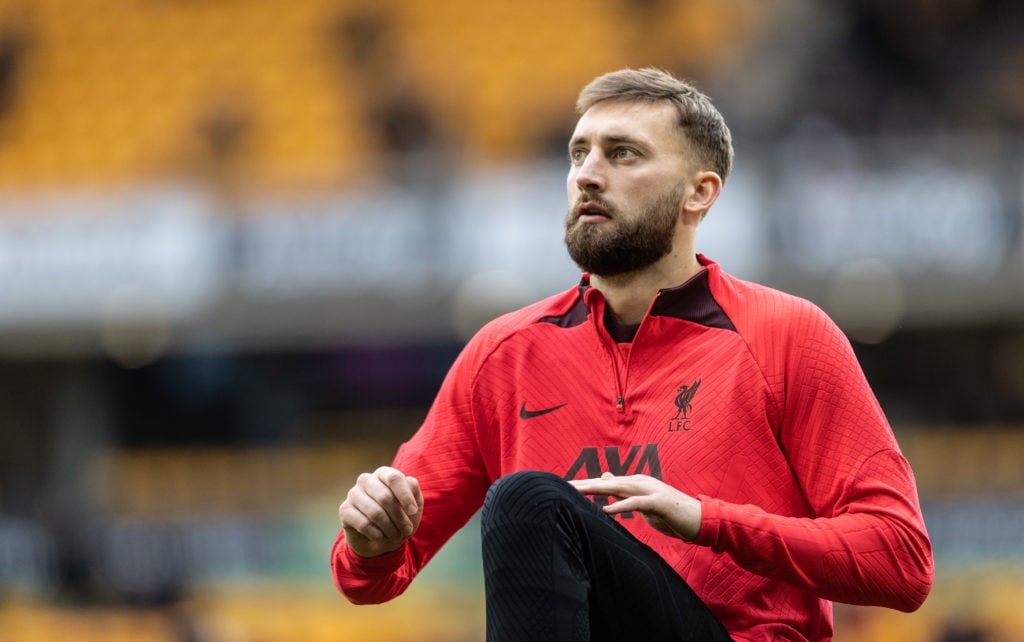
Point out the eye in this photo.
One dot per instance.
(577, 155)
(624, 153)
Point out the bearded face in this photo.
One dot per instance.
(626, 240)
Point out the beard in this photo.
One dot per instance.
(626, 243)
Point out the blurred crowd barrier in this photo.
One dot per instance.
(137, 273)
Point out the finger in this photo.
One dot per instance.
(375, 518)
(414, 485)
(627, 505)
(354, 521)
(400, 488)
(613, 486)
(582, 485)
(585, 486)
(375, 500)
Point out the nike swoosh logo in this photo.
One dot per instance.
(530, 414)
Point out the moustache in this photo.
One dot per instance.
(589, 203)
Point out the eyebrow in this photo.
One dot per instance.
(609, 139)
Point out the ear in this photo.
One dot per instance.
(707, 186)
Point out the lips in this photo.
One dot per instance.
(591, 212)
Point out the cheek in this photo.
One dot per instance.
(572, 201)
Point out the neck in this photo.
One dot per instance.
(628, 296)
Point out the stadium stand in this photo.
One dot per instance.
(103, 91)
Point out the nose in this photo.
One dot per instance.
(590, 173)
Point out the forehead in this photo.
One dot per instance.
(650, 123)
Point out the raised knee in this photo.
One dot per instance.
(527, 495)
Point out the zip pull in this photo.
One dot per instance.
(620, 404)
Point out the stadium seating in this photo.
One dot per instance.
(272, 94)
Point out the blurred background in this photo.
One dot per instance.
(241, 241)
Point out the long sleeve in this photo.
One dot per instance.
(455, 455)
(865, 541)
(444, 455)
(875, 551)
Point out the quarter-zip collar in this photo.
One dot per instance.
(691, 301)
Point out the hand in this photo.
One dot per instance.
(667, 509)
(381, 511)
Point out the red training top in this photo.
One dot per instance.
(749, 399)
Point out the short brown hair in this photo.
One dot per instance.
(701, 123)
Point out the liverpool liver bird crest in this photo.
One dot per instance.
(685, 398)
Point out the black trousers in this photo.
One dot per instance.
(556, 568)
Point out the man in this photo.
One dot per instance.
(739, 470)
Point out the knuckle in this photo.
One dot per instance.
(388, 474)
(353, 494)
(376, 513)
(349, 518)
